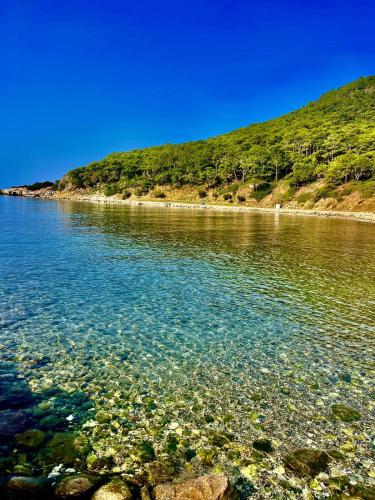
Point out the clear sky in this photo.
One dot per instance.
(80, 79)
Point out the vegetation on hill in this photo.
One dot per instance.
(332, 138)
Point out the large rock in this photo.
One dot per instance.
(61, 449)
(31, 439)
(114, 490)
(74, 487)
(345, 413)
(307, 462)
(12, 422)
(31, 487)
(215, 487)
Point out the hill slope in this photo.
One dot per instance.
(329, 142)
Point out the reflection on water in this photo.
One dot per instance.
(194, 332)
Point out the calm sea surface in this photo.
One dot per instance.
(187, 334)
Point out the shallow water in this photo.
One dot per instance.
(201, 329)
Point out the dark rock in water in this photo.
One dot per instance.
(31, 439)
(307, 462)
(61, 449)
(29, 487)
(75, 486)
(362, 491)
(12, 422)
(263, 444)
(345, 413)
(214, 487)
(336, 454)
(146, 451)
(39, 363)
(51, 422)
(116, 489)
(6, 465)
(345, 377)
(15, 395)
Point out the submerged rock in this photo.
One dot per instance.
(263, 444)
(51, 422)
(114, 490)
(32, 439)
(62, 448)
(214, 487)
(74, 486)
(307, 462)
(31, 487)
(345, 413)
(12, 422)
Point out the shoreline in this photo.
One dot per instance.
(101, 199)
(356, 216)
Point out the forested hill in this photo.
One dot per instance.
(331, 139)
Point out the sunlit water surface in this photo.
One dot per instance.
(183, 325)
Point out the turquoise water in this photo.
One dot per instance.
(201, 329)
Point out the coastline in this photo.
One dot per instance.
(113, 200)
(356, 216)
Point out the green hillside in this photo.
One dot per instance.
(332, 138)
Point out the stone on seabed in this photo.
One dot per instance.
(74, 487)
(114, 490)
(307, 462)
(213, 487)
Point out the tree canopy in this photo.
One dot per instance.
(331, 138)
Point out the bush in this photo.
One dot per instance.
(241, 198)
(141, 191)
(110, 189)
(215, 196)
(262, 191)
(303, 197)
(227, 196)
(327, 191)
(159, 194)
(288, 195)
(202, 194)
(126, 195)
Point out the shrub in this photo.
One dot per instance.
(202, 194)
(227, 196)
(159, 194)
(288, 195)
(215, 196)
(367, 189)
(327, 191)
(241, 198)
(303, 197)
(110, 189)
(141, 191)
(262, 191)
(126, 195)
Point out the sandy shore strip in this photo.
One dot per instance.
(357, 216)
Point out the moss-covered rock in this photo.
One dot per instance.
(307, 462)
(362, 491)
(145, 452)
(206, 456)
(30, 487)
(75, 486)
(62, 448)
(30, 439)
(51, 422)
(103, 417)
(263, 444)
(345, 413)
(116, 489)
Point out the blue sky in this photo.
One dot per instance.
(80, 79)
